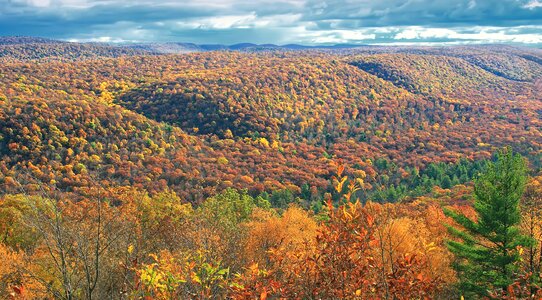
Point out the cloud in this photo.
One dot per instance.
(533, 4)
(220, 22)
(282, 21)
(239, 21)
(334, 36)
(478, 34)
(436, 13)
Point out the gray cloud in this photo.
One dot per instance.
(426, 12)
(286, 21)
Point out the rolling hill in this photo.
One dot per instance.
(265, 121)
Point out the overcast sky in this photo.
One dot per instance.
(278, 22)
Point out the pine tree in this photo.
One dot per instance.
(487, 249)
(446, 182)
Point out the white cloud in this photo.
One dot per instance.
(485, 34)
(102, 39)
(350, 35)
(334, 36)
(239, 21)
(221, 22)
(533, 4)
(407, 34)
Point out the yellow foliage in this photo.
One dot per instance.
(222, 161)
(264, 142)
(289, 233)
(228, 134)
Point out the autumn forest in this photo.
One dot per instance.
(373, 172)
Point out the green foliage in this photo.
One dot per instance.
(229, 207)
(486, 249)
(14, 230)
(282, 198)
(421, 182)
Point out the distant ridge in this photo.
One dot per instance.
(16, 40)
(17, 47)
(175, 47)
(164, 48)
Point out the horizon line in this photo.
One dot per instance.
(413, 43)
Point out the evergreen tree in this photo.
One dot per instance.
(446, 182)
(487, 250)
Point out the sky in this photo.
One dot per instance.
(308, 22)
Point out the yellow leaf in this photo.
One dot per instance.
(254, 268)
(339, 186)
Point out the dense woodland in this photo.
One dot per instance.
(268, 173)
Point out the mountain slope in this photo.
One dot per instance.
(201, 122)
(443, 76)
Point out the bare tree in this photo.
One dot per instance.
(83, 242)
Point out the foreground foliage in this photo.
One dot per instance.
(126, 243)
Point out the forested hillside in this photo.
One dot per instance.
(265, 122)
(180, 159)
